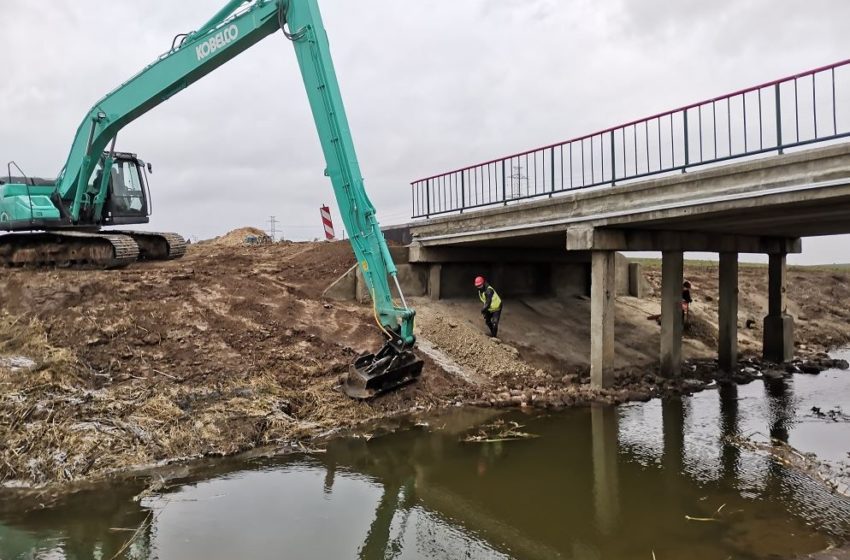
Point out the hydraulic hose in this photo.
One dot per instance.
(281, 20)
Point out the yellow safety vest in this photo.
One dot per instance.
(495, 303)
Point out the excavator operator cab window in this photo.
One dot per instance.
(127, 192)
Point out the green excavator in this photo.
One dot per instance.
(60, 222)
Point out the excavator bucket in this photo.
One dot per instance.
(374, 374)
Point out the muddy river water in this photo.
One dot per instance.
(665, 479)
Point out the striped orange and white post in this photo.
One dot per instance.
(327, 222)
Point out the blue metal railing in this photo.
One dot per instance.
(803, 109)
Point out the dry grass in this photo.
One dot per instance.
(59, 422)
(221, 351)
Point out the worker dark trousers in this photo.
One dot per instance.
(491, 319)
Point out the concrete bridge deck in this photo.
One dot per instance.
(759, 206)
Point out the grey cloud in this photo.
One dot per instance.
(428, 86)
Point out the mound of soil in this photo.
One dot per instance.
(238, 237)
(221, 351)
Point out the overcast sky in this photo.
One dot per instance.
(428, 86)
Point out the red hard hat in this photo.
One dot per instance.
(479, 281)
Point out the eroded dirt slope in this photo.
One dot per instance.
(223, 350)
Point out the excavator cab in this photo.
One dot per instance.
(127, 196)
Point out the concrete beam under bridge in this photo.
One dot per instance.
(586, 238)
(443, 255)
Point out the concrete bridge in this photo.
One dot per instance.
(700, 178)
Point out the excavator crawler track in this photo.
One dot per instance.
(157, 246)
(68, 249)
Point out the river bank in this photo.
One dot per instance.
(232, 348)
(673, 478)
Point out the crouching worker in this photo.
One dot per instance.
(492, 305)
(687, 300)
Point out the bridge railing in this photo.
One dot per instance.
(806, 108)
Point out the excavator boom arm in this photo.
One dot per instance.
(236, 27)
(310, 40)
(199, 54)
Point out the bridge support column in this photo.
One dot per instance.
(435, 277)
(672, 272)
(778, 325)
(728, 320)
(602, 300)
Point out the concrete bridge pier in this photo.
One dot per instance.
(672, 272)
(727, 350)
(778, 325)
(602, 317)
(435, 277)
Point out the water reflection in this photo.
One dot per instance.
(781, 413)
(729, 428)
(604, 426)
(598, 483)
(69, 532)
(673, 424)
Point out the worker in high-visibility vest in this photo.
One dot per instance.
(492, 303)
